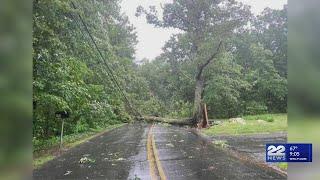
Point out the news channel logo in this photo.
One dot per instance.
(289, 152)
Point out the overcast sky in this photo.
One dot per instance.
(151, 39)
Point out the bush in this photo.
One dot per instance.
(254, 108)
(81, 126)
(269, 119)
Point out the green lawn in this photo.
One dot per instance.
(270, 123)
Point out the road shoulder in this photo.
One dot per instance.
(249, 148)
(44, 156)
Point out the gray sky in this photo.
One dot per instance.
(151, 39)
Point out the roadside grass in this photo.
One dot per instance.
(269, 123)
(50, 149)
(265, 117)
(41, 160)
(283, 166)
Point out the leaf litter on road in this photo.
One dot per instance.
(86, 160)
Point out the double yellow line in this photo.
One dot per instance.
(156, 169)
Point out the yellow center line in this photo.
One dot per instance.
(152, 164)
(153, 158)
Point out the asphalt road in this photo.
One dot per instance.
(145, 151)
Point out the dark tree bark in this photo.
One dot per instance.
(198, 109)
(200, 85)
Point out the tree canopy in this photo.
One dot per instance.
(236, 59)
(224, 56)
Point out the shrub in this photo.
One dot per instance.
(269, 119)
(254, 108)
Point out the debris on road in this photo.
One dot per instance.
(67, 173)
(120, 159)
(221, 143)
(86, 160)
(170, 145)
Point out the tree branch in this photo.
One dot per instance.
(190, 25)
(201, 67)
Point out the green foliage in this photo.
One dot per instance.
(282, 166)
(225, 84)
(181, 109)
(247, 75)
(254, 107)
(152, 107)
(68, 74)
(269, 119)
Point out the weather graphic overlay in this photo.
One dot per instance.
(289, 152)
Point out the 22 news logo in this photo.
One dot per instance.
(276, 153)
(292, 152)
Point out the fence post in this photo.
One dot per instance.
(61, 135)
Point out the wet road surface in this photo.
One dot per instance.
(253, 145)
(145, 151)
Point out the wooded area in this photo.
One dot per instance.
(224, 56)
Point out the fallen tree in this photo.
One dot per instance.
(204, 123)
(180, 122)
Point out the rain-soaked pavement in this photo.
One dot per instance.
(139, 151)
(252, 145)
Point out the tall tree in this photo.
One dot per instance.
(271, 29)
(206, 26)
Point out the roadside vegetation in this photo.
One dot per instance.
(283, 166)
(70, 76)
(47, 150)
(266, 123)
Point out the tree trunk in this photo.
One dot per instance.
(198, 108)
(180, 122)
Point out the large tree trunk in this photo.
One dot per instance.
(181, 122)
(200, 83)
(198, 108)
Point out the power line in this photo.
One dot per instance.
(110, 72)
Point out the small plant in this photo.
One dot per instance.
(283, 166)
(269, 119)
